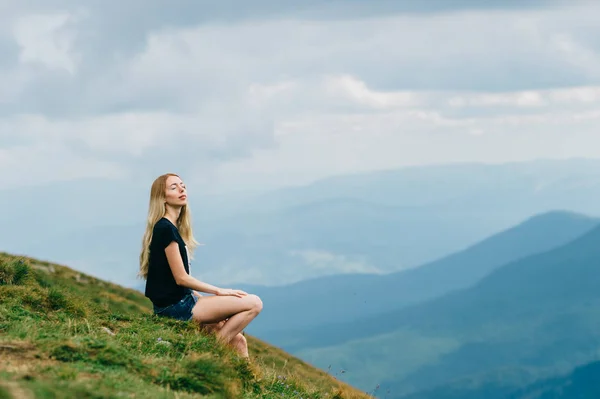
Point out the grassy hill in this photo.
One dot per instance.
(64, 334)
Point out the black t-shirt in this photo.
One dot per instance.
(161, 287)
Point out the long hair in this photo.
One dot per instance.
(156, 210)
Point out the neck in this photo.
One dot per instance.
(173, 214)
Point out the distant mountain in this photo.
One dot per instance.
(530, 319)
(543, 184)
(354, 296)
(376, 222)
(581, 383)
(318, 239)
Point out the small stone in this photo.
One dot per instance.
(108, 331)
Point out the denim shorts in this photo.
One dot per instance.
(181, 310)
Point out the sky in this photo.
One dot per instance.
(237, 95)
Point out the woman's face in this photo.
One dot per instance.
(176, 194)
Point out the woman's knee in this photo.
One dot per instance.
(256, 303)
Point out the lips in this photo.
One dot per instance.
(183, 197)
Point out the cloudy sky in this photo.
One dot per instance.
(247, 95)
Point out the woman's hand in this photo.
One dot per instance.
(230, 292)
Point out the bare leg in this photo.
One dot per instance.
(238, 343)
(239, 312)
(236, 324)
(241, 345)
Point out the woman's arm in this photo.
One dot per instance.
(195, 284)
(185, 280)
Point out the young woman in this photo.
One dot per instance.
(164, 263)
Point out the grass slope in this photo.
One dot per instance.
(64, 334)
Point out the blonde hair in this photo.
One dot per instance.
(156, 211)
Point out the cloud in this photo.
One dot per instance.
(437, 127)
(358, 92)
(578, 54)
(333, 263)
(185, 12)
(41, 41)
(27, 164)
(181, 64)
(123, 145)
(259, 89)
(530, 99)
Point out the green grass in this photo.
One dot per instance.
(68, 335)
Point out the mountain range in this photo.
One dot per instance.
(532, 318)
(369, 223)
(325, 300)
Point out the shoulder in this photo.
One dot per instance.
(162, 223)
(164, 226)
